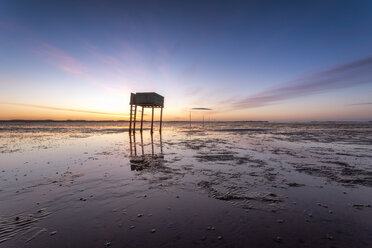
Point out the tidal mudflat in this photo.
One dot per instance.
(242, 184)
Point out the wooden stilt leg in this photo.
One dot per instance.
(135, 118)
(161, 118)
(152, 120)
(134, 144)
(142, 118)
(143, 150)
(161, 145)
(152, 144)
(131, 144)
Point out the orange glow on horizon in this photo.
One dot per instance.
(12, 111)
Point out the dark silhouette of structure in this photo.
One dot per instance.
(145, 100)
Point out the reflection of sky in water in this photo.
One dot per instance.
(258, 167)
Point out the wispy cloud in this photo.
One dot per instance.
(361, 103)
(344, 76)
(67, 63)
(201, 109)
(60, 58)
(60, 109)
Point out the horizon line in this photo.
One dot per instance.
(266, 121)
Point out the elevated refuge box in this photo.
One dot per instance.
(147, 99)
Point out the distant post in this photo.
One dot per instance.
(190, 119)
(199, 109)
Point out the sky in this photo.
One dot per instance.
(241, 60)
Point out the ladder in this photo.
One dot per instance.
(132, 118)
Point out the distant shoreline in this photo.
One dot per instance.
(61, 121)
(124, 121)
(115, 121)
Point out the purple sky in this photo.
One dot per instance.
(246, 60)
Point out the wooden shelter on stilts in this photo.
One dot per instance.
(145, 100)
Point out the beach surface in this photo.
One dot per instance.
(219, 184)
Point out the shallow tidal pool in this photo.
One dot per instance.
(220, 184)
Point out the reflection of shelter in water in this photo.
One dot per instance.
(143, 160)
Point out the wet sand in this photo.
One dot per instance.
(222, 185)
